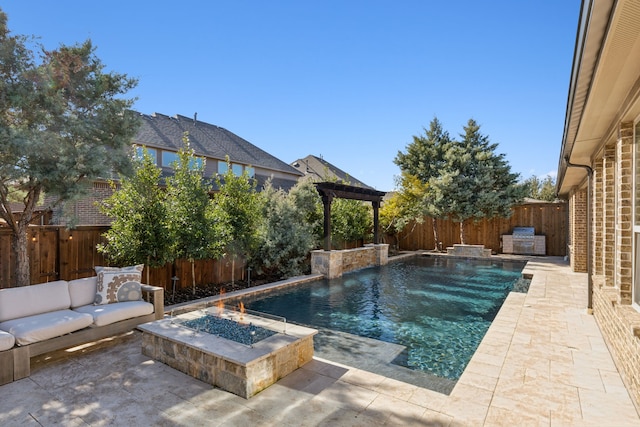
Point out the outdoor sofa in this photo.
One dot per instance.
(51, 316)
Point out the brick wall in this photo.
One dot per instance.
(85, 211)
(597, 237)
(624, 204)
(620, 325)
(612, 262)
(609, 212)
(578, 230)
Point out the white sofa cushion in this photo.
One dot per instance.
(35, 299)
(118, 284)
(44, 326)
(82, 291)
(6, 340)
(111, 313)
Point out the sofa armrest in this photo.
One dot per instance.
(155, 295)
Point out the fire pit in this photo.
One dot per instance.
(242, 353)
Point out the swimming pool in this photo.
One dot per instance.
(436, 309)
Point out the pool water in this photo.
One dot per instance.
(438, 308)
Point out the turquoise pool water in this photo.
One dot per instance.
(438, 308)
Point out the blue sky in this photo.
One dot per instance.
(351, 81)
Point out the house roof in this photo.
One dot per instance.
(161, 131)
(604, 89)
(323, 171)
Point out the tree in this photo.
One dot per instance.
(425, 160)
(475, 182)
(308, 203)
(407, 204)
(139, 231)
(197, 228)
(540, 190)
(241, 204)
(285, 236)
(63, 123)
(350, 220)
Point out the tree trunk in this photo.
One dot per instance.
(233, 269)
(20, 251)
(193, 275)
(436, 235)
(148, 259)
(462, 234)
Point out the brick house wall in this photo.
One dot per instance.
(85, 211)
(612, 252)
(578, 230)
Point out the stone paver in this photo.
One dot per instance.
(543, 362)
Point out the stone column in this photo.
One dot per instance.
(624, 214)
(609, 213)
(597, 229)
(578, 233)
(327, 263)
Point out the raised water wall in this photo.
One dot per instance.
(334, 263)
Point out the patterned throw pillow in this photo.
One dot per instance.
(118, 284)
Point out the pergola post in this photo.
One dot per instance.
(326, 201)
(376, 207)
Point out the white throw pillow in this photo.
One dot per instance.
(118, 284)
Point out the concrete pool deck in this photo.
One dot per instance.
(542, 362)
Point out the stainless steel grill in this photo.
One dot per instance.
(523, 240)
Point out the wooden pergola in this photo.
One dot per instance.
(330, 190)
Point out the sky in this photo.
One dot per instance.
(349, 81)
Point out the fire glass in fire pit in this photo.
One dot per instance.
(247, 334)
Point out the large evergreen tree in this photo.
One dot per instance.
(63, 122)
(426, 161)
(475, 182)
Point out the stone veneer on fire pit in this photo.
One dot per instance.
(237, 368)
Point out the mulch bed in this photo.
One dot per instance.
(182, 295)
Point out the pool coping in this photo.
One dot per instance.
(437, 386)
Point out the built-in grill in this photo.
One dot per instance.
(523, 240)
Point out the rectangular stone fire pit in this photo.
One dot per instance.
(237, 368)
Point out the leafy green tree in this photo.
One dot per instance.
(541, 190)
(350, 220)
(475, 182)
(238, 199)
(139, 231)
(406, 205)
(308, 202)
(425, 160)
(197, 228)
(63, 123)
(286, 237)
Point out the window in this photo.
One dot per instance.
(168, 157)
(196, 163)
(251, 171)
(222, 167)
(152, 152)
(237, 169)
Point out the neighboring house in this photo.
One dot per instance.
(162, 136)
(599, 174)
(321, 170)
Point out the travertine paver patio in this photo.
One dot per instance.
(543, 362)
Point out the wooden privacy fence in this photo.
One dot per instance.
(57, 253)
(548, 219)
